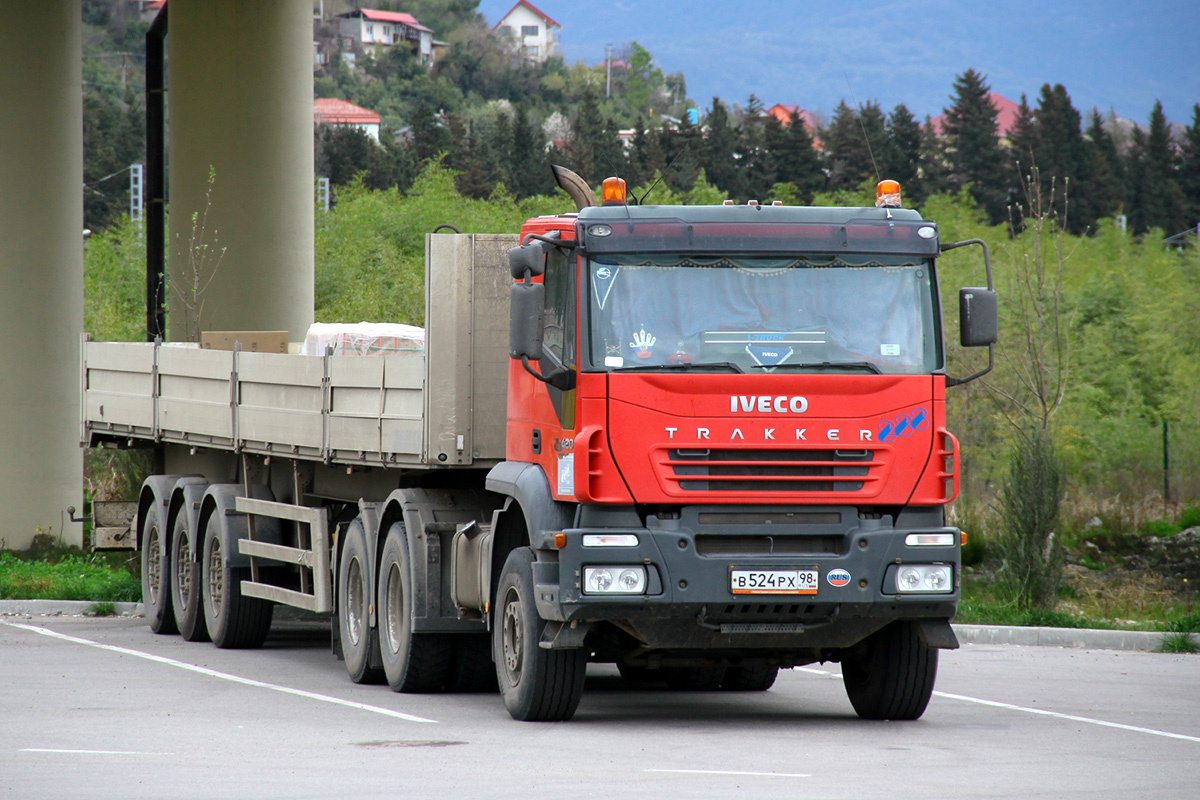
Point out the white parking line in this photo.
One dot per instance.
(731, 772)
(212, 673)
(1039, 711)
(89, 752)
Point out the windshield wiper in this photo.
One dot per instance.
(699, 366)
(796, 365)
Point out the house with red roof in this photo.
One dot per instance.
(783, 112)
(531, 31)
(373, 31)
(1006, 115)
(331, 111)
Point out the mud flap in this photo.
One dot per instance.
(937, 633)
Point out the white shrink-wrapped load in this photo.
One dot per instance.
(363, 338)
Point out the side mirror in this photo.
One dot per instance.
(531, 257)
(526, 320)
(978, 317)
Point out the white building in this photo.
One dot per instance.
(331, 111)
(375, 30)
(533, 33)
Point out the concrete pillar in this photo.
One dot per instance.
(240, 155)
(41, 270)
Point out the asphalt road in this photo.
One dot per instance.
(104, 708)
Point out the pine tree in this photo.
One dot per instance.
(588, 127)
(1105, 184)
(935, 166)
(1061, 159)
(972, 145)
(849, 163)
(800, 163)
(901, 159)
(1161, 197)
(683, 145)
(756, 161)
(1189, 169)
(718, 160)
(473, 180)
(1023, 137)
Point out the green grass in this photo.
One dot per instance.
(67, 577)
(1178, 642)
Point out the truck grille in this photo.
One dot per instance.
(769, 470)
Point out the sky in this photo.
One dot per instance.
(815, 53)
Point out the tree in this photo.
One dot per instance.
(972, 145)
(1189, 168)
(847, 149)
(588, 141)
(1061, 159)
(935, 166)
(1106, 185)
(756, 162)
(718, 160)
(797, 161)
(1160, 200)
(901, 157)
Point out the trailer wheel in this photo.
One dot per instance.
(156, 573)
(354, 605)
(749, 679)
(232, 619)
(185, 583)
(694, 679)
(412, 662)
(537, 684)
(890, 675)
(472, 669)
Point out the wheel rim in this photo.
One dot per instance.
(394, 616)
(216, 580)
(183, 572)
(354, 601)
(154, 564)
(513, 637)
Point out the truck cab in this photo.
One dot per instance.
(735, 418)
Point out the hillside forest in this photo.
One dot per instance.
(1080, 209)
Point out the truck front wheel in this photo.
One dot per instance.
(538, 685)
(413, 662)
(890, 674)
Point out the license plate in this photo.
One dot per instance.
(773, 581)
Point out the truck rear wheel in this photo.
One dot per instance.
(412, 662)
(232, 619)
(185, 583)
(354, 607)
(749, 679)
(890, 675)
(156, 573)
(538, 685)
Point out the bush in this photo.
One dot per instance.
(1031, 496)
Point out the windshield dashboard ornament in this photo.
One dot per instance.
(768, 357)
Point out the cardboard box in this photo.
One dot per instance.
(250, 341)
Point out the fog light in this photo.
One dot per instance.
(614, 580)
(919, 539)
(925, 578)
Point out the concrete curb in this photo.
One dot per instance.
(967, 634)
(62, 608)
(1058, 637)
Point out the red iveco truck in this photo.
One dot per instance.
(711, 445)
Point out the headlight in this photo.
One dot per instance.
(924, 578)
(614, 580)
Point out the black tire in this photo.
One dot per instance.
(890, 675)
(694, 679)
(749, 679)
(156, 573)
(472, 669)
(233, 620)
(538, 685)
(185, 583)
(358, 640)
(412, 662)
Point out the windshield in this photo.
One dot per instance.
(812, 313)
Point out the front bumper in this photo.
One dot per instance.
(689, 601)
